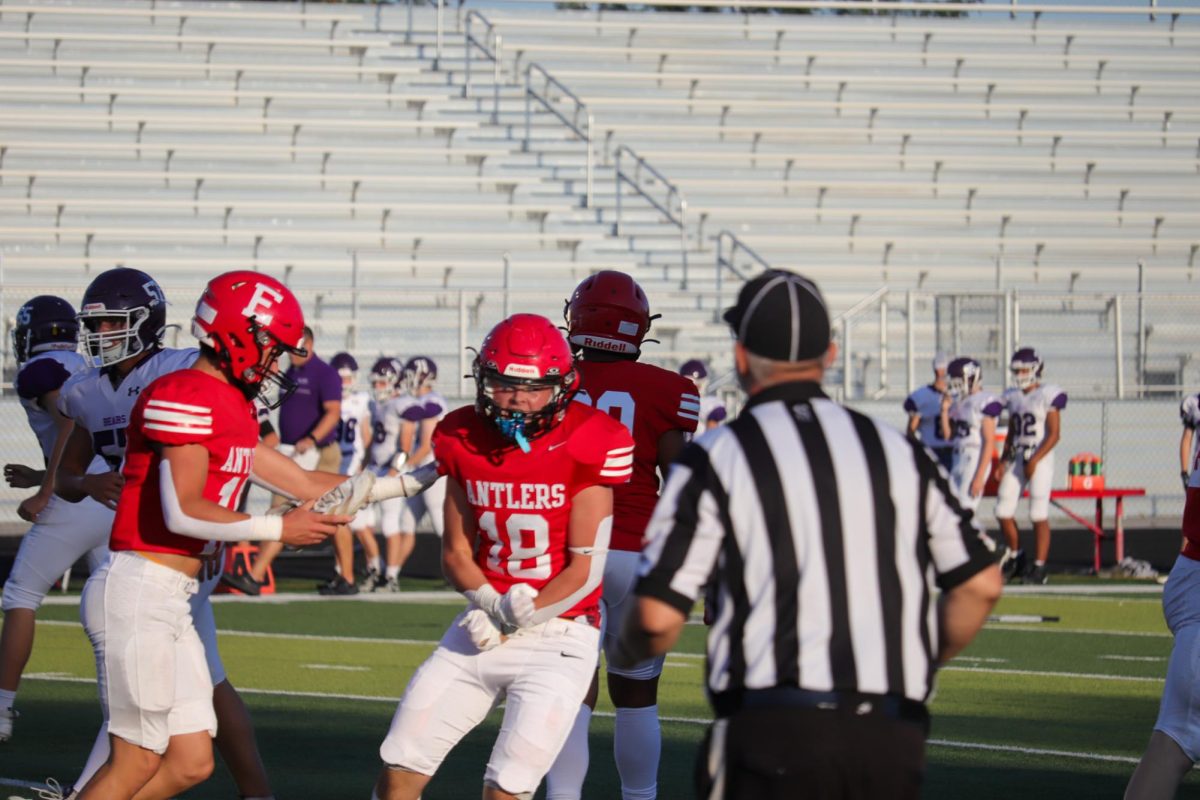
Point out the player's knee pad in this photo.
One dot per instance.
(21, 592)
(644, 671)
(1039, 508)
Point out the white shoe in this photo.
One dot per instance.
(52, 791)
(7, 717)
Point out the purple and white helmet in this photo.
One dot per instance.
(696, 371)
(347, 368)
(963, 375)
(135, 301)
(419, 372)
(44, 323)
(1026, 366)
(385, 374)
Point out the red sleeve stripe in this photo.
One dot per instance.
(187, 431)
(178, 406)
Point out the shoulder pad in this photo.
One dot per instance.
(40, 376)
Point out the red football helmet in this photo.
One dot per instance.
(243, 315)
(608, 311)
(524, 350)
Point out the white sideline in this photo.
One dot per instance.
(1001, 748)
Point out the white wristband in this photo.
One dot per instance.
(267, 528)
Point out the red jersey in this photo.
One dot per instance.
(648, 401)
(185, 407)
(522, 501)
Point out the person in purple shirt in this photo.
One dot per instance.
(308, 420)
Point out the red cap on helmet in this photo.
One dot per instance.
(244, 314)
(608, 311)
(528, 350)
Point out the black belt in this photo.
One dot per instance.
(900, 708)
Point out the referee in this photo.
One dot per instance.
(823, 533)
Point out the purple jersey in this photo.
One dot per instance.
(316, 384)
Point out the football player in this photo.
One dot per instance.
(1174, 746)
(528, 517)
(1034, 411)
(385, 457)
(192, 443)
(712, 410)
(353, 433)
(1189, 453)
(924, 409)
(44, 342)
(969, 421)
(608, 317)
(421, 407)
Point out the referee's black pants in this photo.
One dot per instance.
(792, 753)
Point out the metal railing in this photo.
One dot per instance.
(495, 54)
(673, 206)
(728, 239)
(843, 328)
(546, 100)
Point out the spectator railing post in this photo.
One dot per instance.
(462, 344)
(910, 307)
(437, 53)
(1119, 346)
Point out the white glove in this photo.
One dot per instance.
(482, 630)
(409, 484)
(513, 609)
(399, 460)
(348, 496)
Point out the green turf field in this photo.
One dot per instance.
(1049, 710)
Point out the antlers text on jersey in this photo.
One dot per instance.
(523, 496)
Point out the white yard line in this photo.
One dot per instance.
(286, 598)
(1087, 631)
(1152, 659)
(337, 667)
(1084, 589)
(1052, 674)
(1000, 748)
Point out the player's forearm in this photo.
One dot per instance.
(191, 514)
(279, 473)
(567, 589)
(1185, 450)
(460, 569)
(944, 426)
(650, 629)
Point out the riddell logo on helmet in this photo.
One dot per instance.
(522, 371)
(604, 344)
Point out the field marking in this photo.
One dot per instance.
(999, 748)
(285, 598)
(1154, 659)
(982, 659)
(1088, 631)
(338, 667)
(1084, 589)
(1053, 674)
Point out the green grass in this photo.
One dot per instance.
(1087, 685)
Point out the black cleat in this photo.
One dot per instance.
(339, 586)
(242, 582)
(1036, 575)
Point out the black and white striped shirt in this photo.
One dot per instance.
(825, 532)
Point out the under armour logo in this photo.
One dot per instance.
(134, 390)
(803, 412)
(260, 303)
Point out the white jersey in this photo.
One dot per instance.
(966, 419)
(45, 372)
(385, 434)
(1027, 412)
(356, 415)
(926, 403)
(1189, 414)
(418, 409)
(103, 410)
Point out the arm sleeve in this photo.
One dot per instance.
(686, 533)
(910, 405)
(992, 409)
(958, 549)
(254, 528)
(1059, 401)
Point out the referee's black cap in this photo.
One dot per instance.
(781, 316)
